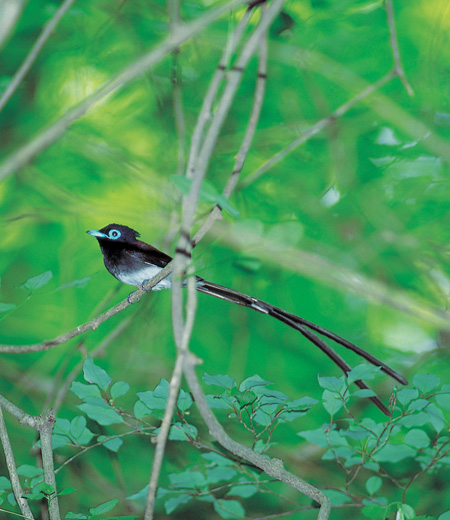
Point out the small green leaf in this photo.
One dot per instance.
(219, 473)
(104, 508)
(417, 438)
(445, 516)
(331, 383)
(75, 516)
(443, 400)
(219, 380)
(426, 382)
(331, 402)
(104, 416)
(112, 444)
(218, 459)
(37, 281)
(337, 497)
(373, 484)
(96, 375)
(229, 509)
(362, 372)
(182, 432)
(187, 480)
(29, 471)
(118, 389)
(84, 392)
(66, 491)
(184, 401)
(5, 484)
(245, 489)
(406, 395)
(172, 503)
(394, 453)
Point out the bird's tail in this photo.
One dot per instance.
(308, 330)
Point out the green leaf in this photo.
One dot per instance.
(374, 512)
(182, 432)
(394, 453)
(172, 503)
(405, 511)
(318, 437)
(331, 383)
(418, 404)
(426, 382)
(219, 473)
(184, 401)
(104, 508)
(245, 489)
(373, 484)
(252, 382)
(417, 438)
(118, 389)
(96, 375)
(66, 491)
(5, 307)
(37, 281)
(187, 480)
(218, 459)
(101, 415)
(406, 395)
(5, 484)
(444, 516)
(219, 380)
(229, 509)
(362, 372)
(331, 402)
(83, 391)
(443, 400)
(112, 444)
(337, 497)
(25, 470)
(75, 516)
(436, 417)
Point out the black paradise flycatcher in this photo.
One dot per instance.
(134, 262)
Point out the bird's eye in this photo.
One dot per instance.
(114, 234)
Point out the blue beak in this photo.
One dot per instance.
(96, 233)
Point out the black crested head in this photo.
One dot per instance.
(115, 233)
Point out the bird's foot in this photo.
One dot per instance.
(143, 286)
(130, 298)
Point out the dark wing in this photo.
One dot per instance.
(148, 254)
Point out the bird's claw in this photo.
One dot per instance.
(130, 296)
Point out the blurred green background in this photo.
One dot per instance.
(367, 195)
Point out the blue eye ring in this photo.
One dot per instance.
(114, 234)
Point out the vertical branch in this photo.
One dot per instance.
(398, 67)
(12, 471)
(45, 428)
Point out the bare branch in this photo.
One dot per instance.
(36, 49)
(46, 423)
(12, 471)
(398, 67)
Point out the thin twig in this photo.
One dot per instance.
(12, 471)
(398, 67)
(36, 49)
(205, 112)
(315, 129)
(47, 137)
(246, 142)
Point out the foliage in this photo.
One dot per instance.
(366, 452)
(348, 229)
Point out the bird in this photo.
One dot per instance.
(134, 262)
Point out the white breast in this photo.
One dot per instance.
(138, 277)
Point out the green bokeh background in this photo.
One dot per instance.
(365, 195)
